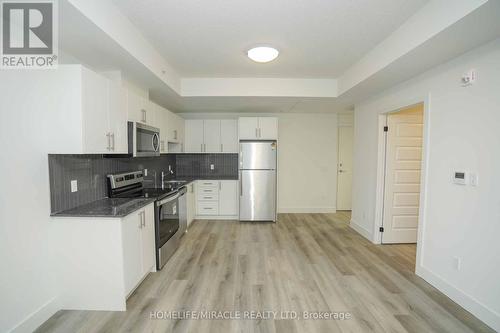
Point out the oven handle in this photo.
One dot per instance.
(169, 199)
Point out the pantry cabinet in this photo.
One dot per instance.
(258, 128)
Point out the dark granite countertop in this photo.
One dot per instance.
(116, 207)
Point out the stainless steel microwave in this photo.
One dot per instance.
(143, 140)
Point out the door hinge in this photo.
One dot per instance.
(386, 128)
(381, 229)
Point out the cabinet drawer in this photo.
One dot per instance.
(208, 191)
(207, 196)
(208, 183)
(208, 207)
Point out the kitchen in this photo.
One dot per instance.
(174, 159)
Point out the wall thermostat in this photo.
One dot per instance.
(460, 177)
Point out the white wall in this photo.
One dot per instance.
(307, 162)
(462, 127)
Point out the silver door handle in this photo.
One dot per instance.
(144, 219)
(140, 220)
(260, 133)
(220, 186)
(201, 147)
(221, 147)
(204, 147)
(241, 185)
(175, 134)
(113, 141)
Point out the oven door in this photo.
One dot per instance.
(167, 224)
(145, 140)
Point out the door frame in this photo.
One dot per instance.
(380, 188)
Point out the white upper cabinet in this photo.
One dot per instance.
(211, 136)
(194, 136)
(96, 133)
(248, 128)
(268, 128)
(229, 135)
(104, 115)
(117, 103)
(175, 128)
(258, 128)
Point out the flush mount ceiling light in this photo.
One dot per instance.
(263, 54)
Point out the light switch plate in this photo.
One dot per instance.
(473, 181)
(212, 167)
(74, 186)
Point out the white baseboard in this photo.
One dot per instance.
(361, 230)
(305, 210)
(38, 317)
(469, 303)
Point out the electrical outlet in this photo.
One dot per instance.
(74, 186)
(145, 172)
(212, 167)
(457, 263)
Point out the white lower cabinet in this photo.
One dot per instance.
(103, 260)
(217, 199)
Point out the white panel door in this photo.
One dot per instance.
(193, 136)
(402, 179)
(229, 197)
(211, 136)
(95, 113)
(268, 128)
(132, 254)
(248, 128)
(148, 240)
(117, 100)
(229, 136)
(344, 179)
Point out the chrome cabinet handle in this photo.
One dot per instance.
(256, 132)
(221, 147)
(220, 185)
(108, 135)
(201, 147)
(175, 134)
(241, 185)
(144, 219)
(143, 115)
(113, 141)
(204, 147)
(260, 132)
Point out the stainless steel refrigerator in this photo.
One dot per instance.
(258, 180)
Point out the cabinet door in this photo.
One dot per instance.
(132, 254)
(268, 128)
(149, 113)
(96, 134)
(162, 124)
(148, 240)
(194, 136)
(211, 136)
(135, 107)
(174, 131)
(228, 197)
(248, 128)
(117, 102)
(229, 136)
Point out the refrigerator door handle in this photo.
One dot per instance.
(241, 185)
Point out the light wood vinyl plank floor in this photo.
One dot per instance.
(305, 262)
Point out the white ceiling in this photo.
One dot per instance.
(316, 38)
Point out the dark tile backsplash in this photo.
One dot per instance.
(91, 170)
(198, 166)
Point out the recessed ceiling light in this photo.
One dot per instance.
(263, 54)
